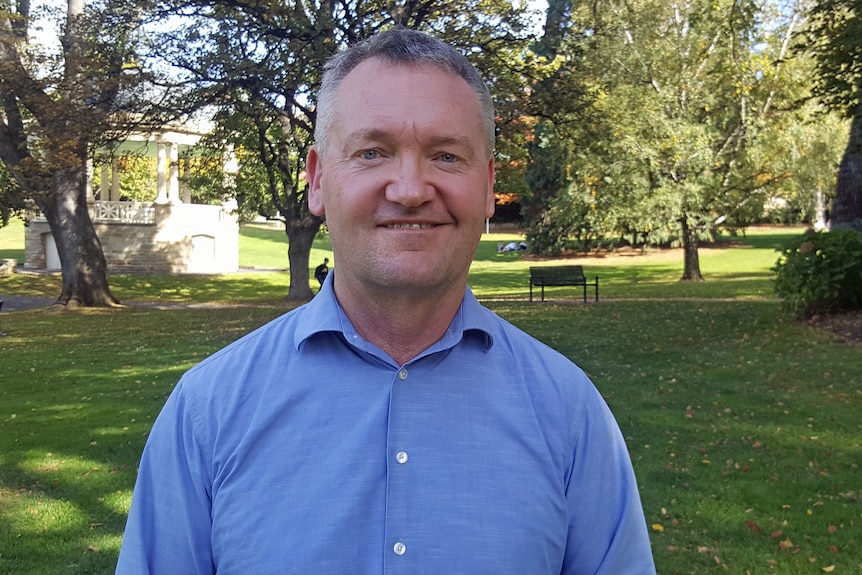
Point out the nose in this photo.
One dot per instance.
(411, 186)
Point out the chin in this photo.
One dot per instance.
(411, 282)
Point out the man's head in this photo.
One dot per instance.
(399, 46)
(405, 171)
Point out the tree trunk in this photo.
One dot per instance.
(847, 206)
(300, 237)
(691, 268)
(82, 262)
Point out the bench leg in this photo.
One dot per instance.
(597, 288)
(585, 292)
(531, 291)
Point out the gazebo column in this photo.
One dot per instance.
(229, 168)
(184, 185)
(104, 184)
(174, 175)
(162, 175)
(90, 197)
(115, 180)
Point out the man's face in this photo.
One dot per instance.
(406, 181)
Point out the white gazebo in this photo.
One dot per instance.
(168, 235)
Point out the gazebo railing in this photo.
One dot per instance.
(118, 212)
(123, 212)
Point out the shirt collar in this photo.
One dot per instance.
(324, 314)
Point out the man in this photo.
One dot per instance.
(321, 271)
(391, 425)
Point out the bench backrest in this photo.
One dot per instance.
(548, 273)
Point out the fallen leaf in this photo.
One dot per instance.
(657, 527)
(829, 569)
(786, 544)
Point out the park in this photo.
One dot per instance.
(698, 160)
(741, 421)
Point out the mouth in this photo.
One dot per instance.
(410, 226)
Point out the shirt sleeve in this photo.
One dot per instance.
(169, 526)
(607, 529)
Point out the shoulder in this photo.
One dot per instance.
(548, 376)
(242, 382)
(510, 340)
(237, 367)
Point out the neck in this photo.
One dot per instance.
(402, 325)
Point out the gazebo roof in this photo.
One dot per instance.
(185, 135)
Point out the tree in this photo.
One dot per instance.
(834, 38)
(680, 95)
(260, 63)
(54, 109)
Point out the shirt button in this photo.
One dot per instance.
(401, 457)
(402, 374)
(400, 548)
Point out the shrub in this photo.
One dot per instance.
(820, 273)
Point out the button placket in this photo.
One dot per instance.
(399, 472)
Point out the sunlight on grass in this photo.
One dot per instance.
(12, 241)
(118, 501)
(38, 515)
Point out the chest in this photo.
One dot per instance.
(408, 476)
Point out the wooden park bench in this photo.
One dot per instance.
(560, 276)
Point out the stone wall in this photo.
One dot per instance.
(185, 238)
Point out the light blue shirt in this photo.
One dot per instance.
(301, 448)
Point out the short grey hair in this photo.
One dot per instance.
(399, 46)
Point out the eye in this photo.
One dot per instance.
(369, 154)
(448, 158)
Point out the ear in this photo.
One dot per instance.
(314, 171)
(489, 200)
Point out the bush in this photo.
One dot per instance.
(821, 273)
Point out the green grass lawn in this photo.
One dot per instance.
(743, 425)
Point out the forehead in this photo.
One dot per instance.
(376, 71)
(380, 93)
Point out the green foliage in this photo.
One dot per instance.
(821, 273)
(11, 200)
(138, 175)
(663, 111)
(834, 37)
